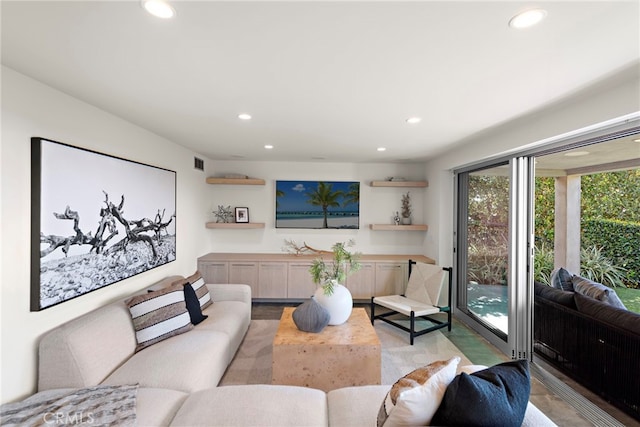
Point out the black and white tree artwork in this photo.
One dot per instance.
(102, 219)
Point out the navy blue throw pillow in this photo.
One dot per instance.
(561, 279)
(193, 305)
(496, 397)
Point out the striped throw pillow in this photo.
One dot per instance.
(159, 315)
(197, 283)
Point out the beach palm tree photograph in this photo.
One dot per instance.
(317, 204)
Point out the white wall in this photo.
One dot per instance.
(616, 97)
(33, 109)
(377, 205)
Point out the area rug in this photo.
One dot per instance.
(252, 362)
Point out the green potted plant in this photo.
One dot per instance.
(332, 294)
(406, 209)
(328, 274)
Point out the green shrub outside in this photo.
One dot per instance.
(610, 206)
(619, 242)
(543, 264)
(594, 265)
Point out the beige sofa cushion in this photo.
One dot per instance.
(188, 362)
(356, 406)
(84, 351)
(157, 407)
(229, 317)
(252, 405)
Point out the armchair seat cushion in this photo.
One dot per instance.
(406, 305)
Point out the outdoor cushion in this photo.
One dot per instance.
(561, 279)
(624, 319)
(558, 296)
(598, 291)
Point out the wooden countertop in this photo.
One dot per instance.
(285, 257)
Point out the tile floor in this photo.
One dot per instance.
(481, 352)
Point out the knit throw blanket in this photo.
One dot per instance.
(93, 406)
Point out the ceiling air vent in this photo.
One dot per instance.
(198, 163)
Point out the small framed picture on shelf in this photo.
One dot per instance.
(242, 214)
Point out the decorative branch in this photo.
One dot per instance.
(293, 248)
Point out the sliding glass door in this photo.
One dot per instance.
(493, 248)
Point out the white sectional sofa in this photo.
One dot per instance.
(178, 377)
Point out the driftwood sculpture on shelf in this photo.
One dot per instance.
(293, 248)
(109, 215)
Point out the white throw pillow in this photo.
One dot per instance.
(414, 398)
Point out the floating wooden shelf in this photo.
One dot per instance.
(399, 184)
(235, 225)
(235, 181)
(393, 227)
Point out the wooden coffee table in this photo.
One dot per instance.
(339, 356)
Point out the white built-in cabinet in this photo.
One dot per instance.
(299, 282)
(272, 279)
(285, 276)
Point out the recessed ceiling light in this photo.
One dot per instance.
(527, 19)
(636, 140)
(244, 116)
(268, 147)
(159, 8)
(576, 153)
(382, 149)
(414, 120)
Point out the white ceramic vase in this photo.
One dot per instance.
(339, 304)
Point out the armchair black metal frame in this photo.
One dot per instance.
(400, 305)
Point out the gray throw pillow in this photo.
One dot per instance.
(597, 291)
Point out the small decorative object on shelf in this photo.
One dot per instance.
(396, 179)
(396, 219)
(406, 209)
(242, 214)
(223, 214)
(311, 316)
(332, 295)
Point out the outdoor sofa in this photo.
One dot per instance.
(593, 342)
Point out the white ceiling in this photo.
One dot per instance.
(330, 80)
